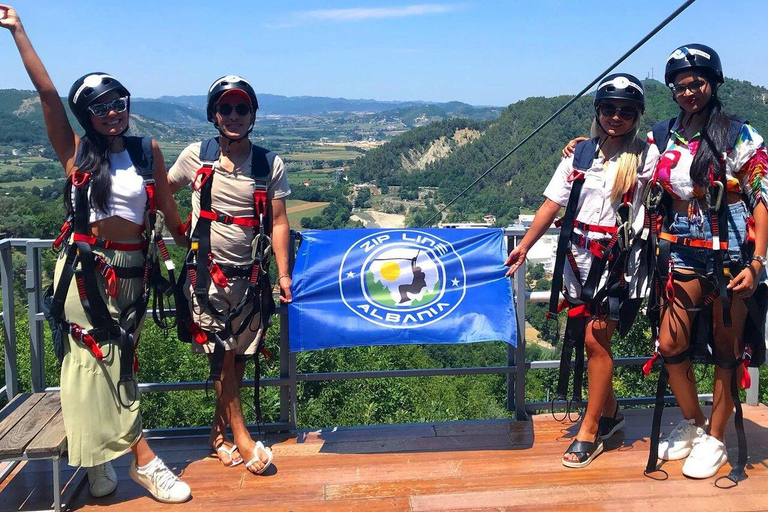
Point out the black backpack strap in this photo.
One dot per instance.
(582, 159)
(260, 166)
(140, 151)
(210, 150)
(584, 154)
(734, 131)
(661, 132)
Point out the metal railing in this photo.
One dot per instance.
(289, 378)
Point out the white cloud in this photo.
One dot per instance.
(368, 13)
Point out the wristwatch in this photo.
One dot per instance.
(760, 259)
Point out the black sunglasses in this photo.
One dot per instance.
(609, 110)
(692, 87)
(225, 109)
(103, 109)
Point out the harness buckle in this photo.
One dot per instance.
(63, 234)
(80, 178)
(204, 174)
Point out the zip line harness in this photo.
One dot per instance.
(611, 253)
(202, 268)
(662, 275)
(83, 265)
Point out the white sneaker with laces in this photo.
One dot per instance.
(160, 481)
(102, 479)
(679, 443)
(706, 458)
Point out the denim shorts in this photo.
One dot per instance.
(702, 260)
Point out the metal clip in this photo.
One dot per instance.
(720, 191)
(625, 231)
(653, 196)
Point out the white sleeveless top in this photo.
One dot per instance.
(128, 198)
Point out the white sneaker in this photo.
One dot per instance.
(102, 479)
(706, 458)
(160, 482)
(679, 443)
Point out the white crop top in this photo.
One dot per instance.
(128, 198)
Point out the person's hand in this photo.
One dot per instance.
(745, 283)
(571, 146)
(515, 259)
(284, 282)
(8, 18)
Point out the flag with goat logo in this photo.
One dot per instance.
(361, 287)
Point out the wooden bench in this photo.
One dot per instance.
(32, 427)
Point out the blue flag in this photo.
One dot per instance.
(358, 287)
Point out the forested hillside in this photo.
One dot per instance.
(520, 180)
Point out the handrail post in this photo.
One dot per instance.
(36, 345)
(9, 322)
(511, 242)
(753, 391)
(520, 366)
(285, 351)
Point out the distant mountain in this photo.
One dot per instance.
(521, 179)
(272, 104)
(169, 113)
(21, 119)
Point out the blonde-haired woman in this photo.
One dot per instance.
(601, 186)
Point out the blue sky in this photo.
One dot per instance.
(479, 52)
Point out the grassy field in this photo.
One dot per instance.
(297, 178)
(321, 152)
(21, 163)
(299, 209)
(37, 182)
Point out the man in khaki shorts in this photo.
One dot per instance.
(234, 183)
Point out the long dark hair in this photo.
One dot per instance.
(715, 141)
(94, 149)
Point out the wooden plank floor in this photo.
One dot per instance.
(473, 466)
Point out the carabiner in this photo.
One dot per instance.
(720, 190)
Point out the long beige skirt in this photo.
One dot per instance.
(99, 428)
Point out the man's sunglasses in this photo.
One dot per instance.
(103, 109)
(609, 110)
(693, 87)
(225, 109)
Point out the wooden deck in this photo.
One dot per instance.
(472, 466)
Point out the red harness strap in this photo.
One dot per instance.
(248, 222)
(691, 242)
(108, 244)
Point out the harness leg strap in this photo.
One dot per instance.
(658, 408)
(738, 471)
(216, 359)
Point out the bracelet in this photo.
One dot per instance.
(762, 260)
(282, 276)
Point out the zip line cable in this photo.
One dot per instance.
(570, 102)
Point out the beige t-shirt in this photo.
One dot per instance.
(231, 194)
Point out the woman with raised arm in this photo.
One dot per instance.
(601, 187)
(710, 190)
(115, 197)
